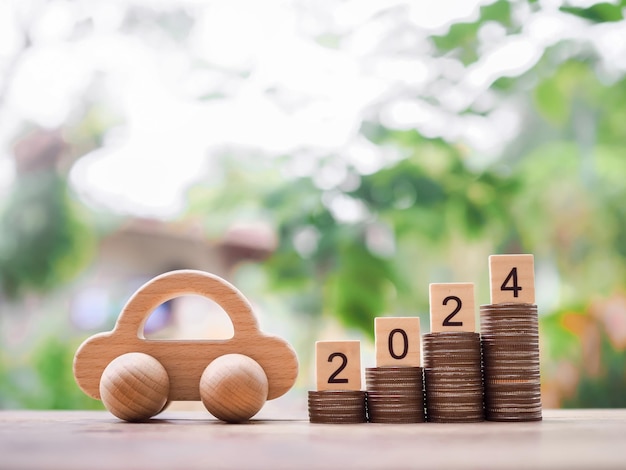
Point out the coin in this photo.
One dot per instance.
(512, 417)
(337, 406)
(456, 418)
(395, 394)
(326, 420)
(510, 348)
(450, 376)
(453, 377)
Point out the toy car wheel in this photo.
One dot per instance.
(134, 387)
(167, 403)
(233, 388)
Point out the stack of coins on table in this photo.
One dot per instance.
(395, 394)
(453, 377)
(510, 342)
(339, 398)
(337, 406)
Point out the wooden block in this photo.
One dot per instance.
(338, 365)
(184, 361)
(452, 307)
(397, 341)
(512, 279)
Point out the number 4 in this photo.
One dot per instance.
(512, 277)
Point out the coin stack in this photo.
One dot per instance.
(395, 394)
(337, 406)
(510, 342)
(453, 377)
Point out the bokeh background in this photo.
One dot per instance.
(330, 158)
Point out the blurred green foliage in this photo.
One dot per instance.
(583, 349)
(43, 378)
(462, 38)
(599, 13)
(46, 239)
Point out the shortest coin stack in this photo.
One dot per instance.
(395, 394)
(510, 342)
(337, 406)
(453, 377)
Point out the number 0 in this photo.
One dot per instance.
(405, 340)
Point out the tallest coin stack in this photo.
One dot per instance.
(510, 342)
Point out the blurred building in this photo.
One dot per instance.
(141, 249)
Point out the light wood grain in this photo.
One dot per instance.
(443, 301)
(397, 341)
(134, 387)
(185, 361)
(500, 267)
(233, 388)
(329, 357)
(565, 439)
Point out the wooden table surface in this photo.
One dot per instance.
(586, 439)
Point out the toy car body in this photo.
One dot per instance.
(185, 360)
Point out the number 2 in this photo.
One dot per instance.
(344, 362)
(459, 304)
(512, 277)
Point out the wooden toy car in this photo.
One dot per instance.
(136, 378)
